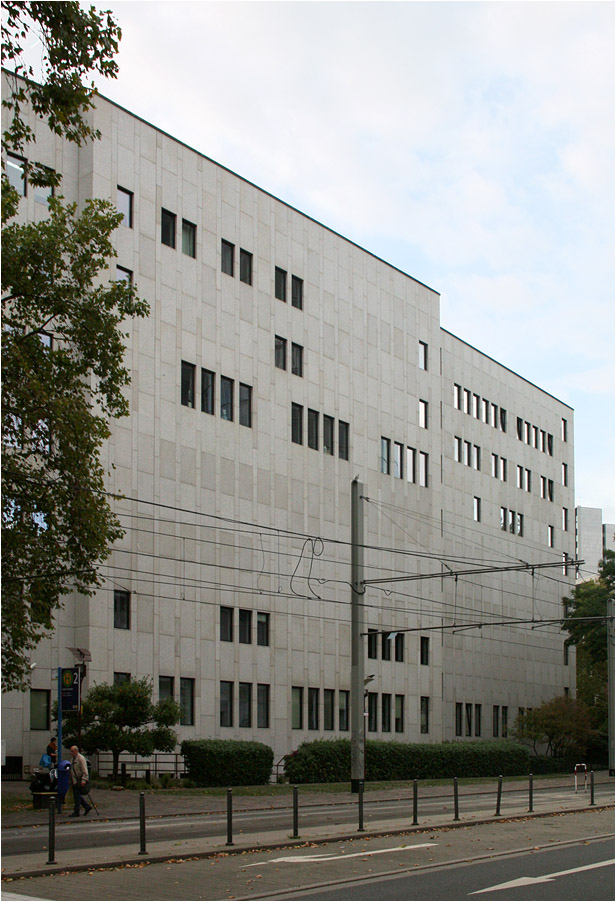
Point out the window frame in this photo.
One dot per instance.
(263, 706)
(314, 708)
(189, 239)
(227, 390)
(263, 629)
(297, 424)
(187, 702)
(227, 257)
(121, 613)
(40, 712)
(297, 707)
(188, 377)
(280, 352)
(208, 391)
(244, 706)
(343, 440)
(245, 267)
(226, 700)
(245, 411)
(424, 714)
(280, 284)
(127, 217)
(245, 626)
(297, 292)
(328, 435)
(226, 625)
(313, 429)
(297, 359)
(168, 228)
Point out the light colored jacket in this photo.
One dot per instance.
(79, 769)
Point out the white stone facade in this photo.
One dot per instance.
(224, 515)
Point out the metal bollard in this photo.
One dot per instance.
(414, 802)
(360, 800)
(51, 859)
(295, 833)
(123, 773)
(530, 792)
(142, 848)
(499, 794)
(592, 787)
(229, 817)
(456, 807)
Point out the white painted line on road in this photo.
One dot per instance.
(298, 859)
(545, 878)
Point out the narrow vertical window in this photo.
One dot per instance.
(486, 411)
(343, 710)
(477, 509)
(565, 655)
(207, 391)
(512, 522)
(544, 487)
(528, 480)
(423, 469)
(527, 432)
(167, 228)
(226, 703)
(543, 440)
(263, 706)
(329, 696)
(468, 709)
(313, 429)
(297, 359)
(550, 444)
(477, 457)
(121, 609)
(565, 479)
(124, 204)
(495, 721)
(536, 436)
(188, 384)
(399, 714)
(280, 352)
(227, 254)
(280, 284)
(503, 519)
(226, 624)
(226, 398)
(457, 396)
(550, 490)
(503, 469)
(372, 712)
(297, 708)
(504, 718)
(385, 445)
(411, 465)
(458, 718)
(187, 701)
(520, 476)
(468, 453)
(495, 416)
(245, 267)
(399, 647)
(328, 434)
(565, 519)
(425, 714)
(245, 627)
(245, 405)
(297, 424)
(16, 173)
(40, 709)
(423, 414)
(189, 238)
(372, 643)
(386, 646)
(563, 431)
(398, 454)
(550, 536)
(297, 292)
(468, 400)
(166, 687)
(520, 528)
(520, 428)
(457, 448)
(495, 465)
(343, 440)
(263, 628)
(313, 709)
(503, 419)
(424, 650)
(477, 720)
(422, 352)
(245, 714)
(476, 404)
(386, 712)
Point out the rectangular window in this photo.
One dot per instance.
(280, 352)
(343, 440)
(565, 655)
(245, 718)
(386, 712)
(313, 429)
(188, 384)
(227, 255)
(343, 710)
(372, 643)
(458, 718)
(313, 709)
(226, 703)
(399, 647)
(563, 430)
(166, 687)
(385, 446)
(503, 419)
(422, 353)
(119, 678)
(520, 525)
(564, 474)
(167, 228)
(329, 699)
(245, 267)
(520, 476)
(425, 714)
(207, 391)
(527, 432)
(520, 428)
(457, 396)
(297, 708)
(124, 275)
(468, 453)
(550, 490)
(263, 628)
(468, 708)
(39, 709)
(512, 522)
(468, 400)
(187, 701)
(280, 285)
(535, 436)
(550, 536)
(550, 444)
(565, 519)
(42, 193)
(398, 454)
(423, 414)
(423, 469)
(263, 706)
(495, 465)
(328, 434)
(457, 449)
(121, 609)
(495, 415)
(226, 624)
(386, 646)
(504, 716)
(297, 359)
(372, 712)
(476, 457)
(528, 480)
(189, 238)
(399, 714)
(565, 564)
(297, 292)
(477, 720)
(16, 173)
(543, 438)
(503, 519)
(477, 509)
(245, 627)
(245, 405)
(297, 424)
(503, 469)
(495, 721)
(226, 398)
(424, 649)
(124, 204)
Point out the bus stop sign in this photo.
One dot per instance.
(70, 689)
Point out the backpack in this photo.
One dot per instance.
(45, 761)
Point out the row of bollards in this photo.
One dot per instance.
(295, 835)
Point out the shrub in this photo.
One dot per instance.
(227, 762)
(329, 760)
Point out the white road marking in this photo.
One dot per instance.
(545, 878)
(298, 859)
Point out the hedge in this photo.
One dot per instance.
(227, 762)
(329, 760)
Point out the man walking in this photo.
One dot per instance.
(79, 780)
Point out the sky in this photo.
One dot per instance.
(469, 144)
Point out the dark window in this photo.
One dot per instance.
(207, 391)
(124, 275)
(280, 352)
(297, 359)
(226, 703)
(189, 238)
(495, 720)
(343, 709)
(187, 701)
(245, 626)
(226, 624)
(245, 719)
(424, 650)
(313, 429)
(329, 698)
(297, 708)
(227, 253)
(399, 715)
(188, 384)
(425, 714)
(263, 628)
(297, 292)
(373, 699)
(385, 451)
(313, 709)
(120, 678)
(297, 424)
(399, 647)
(504, 715)
(372, 643)
(520, 428)
(343, 440)
(226, 398)
(281, 284)
(386, 712)
(503, 419)
(263, 706)
(16, 173)
(245, 405)
(386, 646)
(121, 609)
(165, 687)
(550, 445)
(245, 267)
(469, 719)
(458, 718)
(125, 206)
(423, 356)
(39, 709)
(328, 434)
(477, 720)
(167, 228)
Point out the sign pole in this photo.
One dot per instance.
(59, 714)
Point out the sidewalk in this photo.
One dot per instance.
(124, 805)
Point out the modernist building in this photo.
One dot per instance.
(592, 537)
(279, 361)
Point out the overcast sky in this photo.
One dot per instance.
(469, 144)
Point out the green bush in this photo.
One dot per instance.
(227, 762)
(329, 760)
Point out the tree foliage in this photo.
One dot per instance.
(62, 342)
(122, 718)
(561, 724)
(590, 600)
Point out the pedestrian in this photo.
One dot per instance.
(52, 751)
(79, 780)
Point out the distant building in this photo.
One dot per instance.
(592, 535)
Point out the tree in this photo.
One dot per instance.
(62, 342)
(562, 724)
(123, 718)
